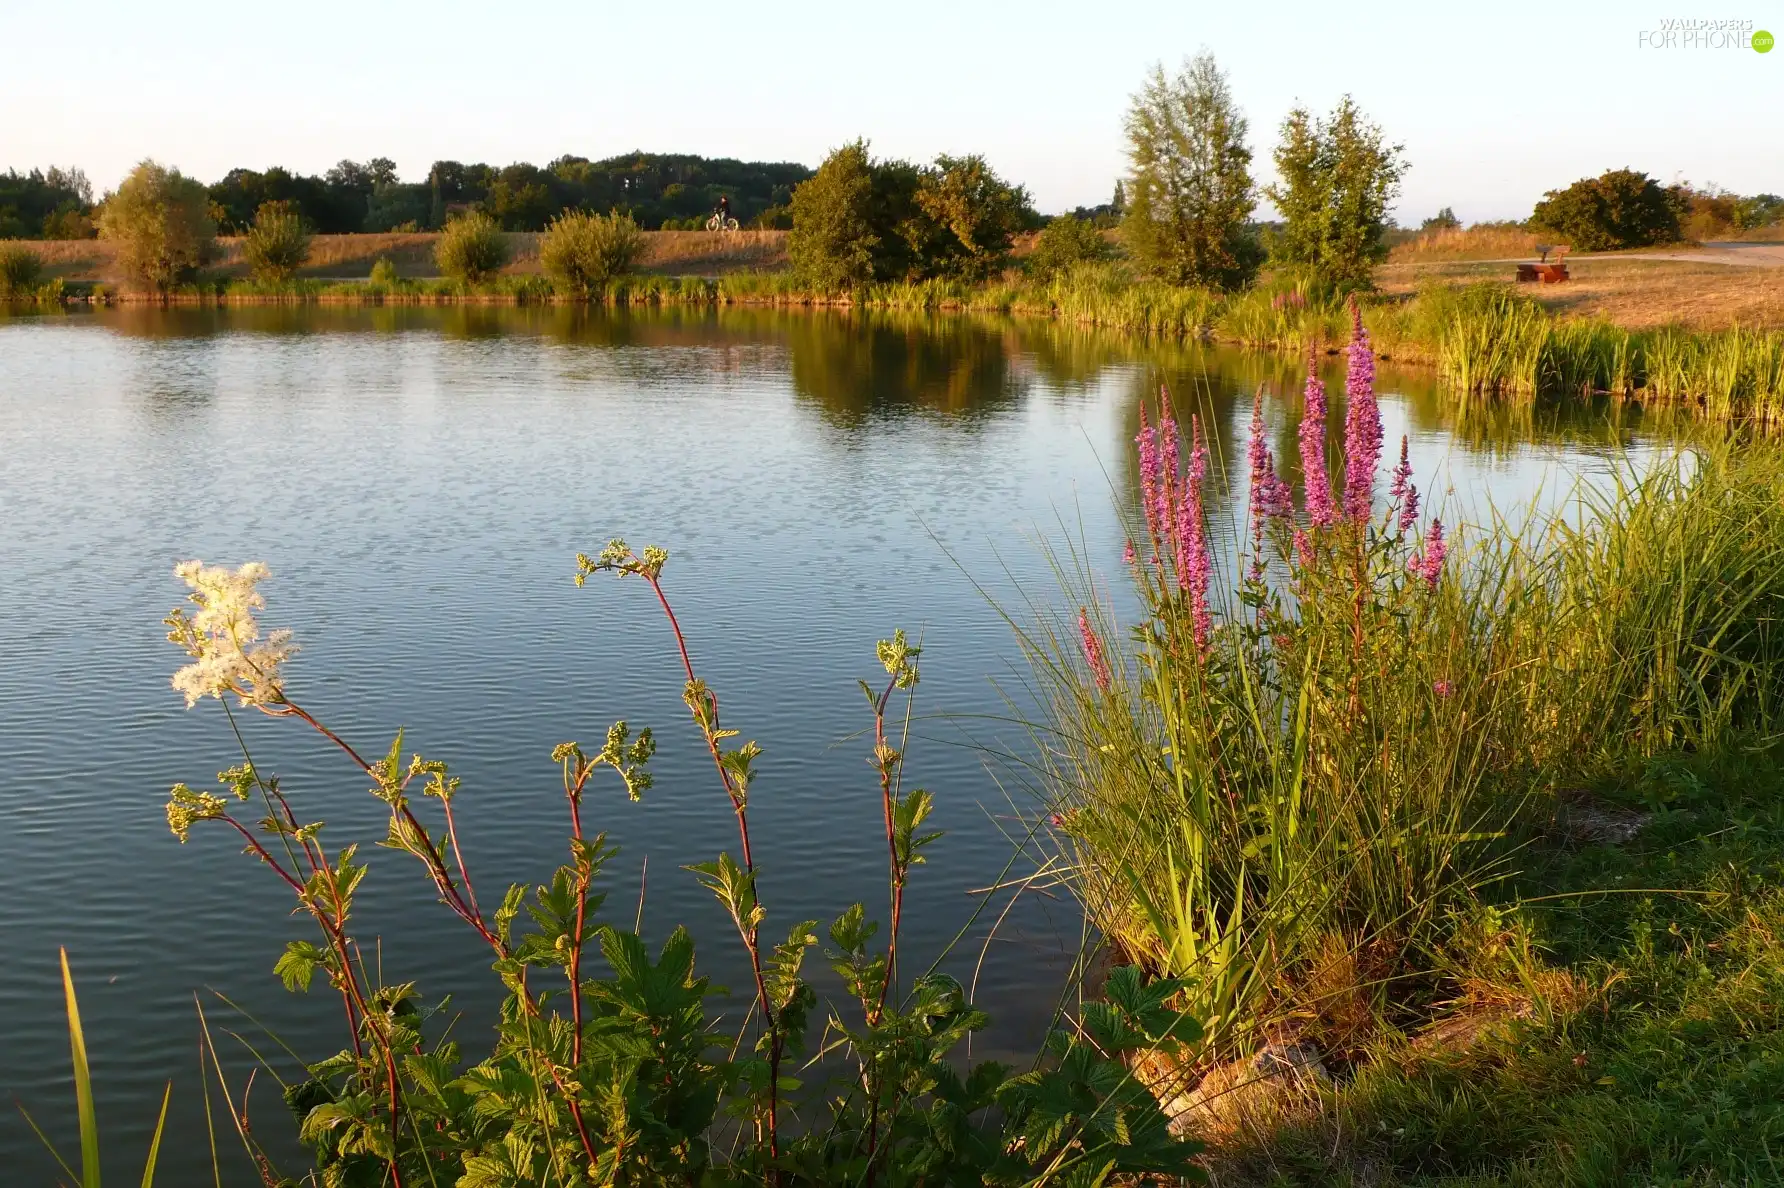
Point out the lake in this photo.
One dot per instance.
(419, 480)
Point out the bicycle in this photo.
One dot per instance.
(723, 223)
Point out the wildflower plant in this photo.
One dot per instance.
(606, 1067)
(1272, 765)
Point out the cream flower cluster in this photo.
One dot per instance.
(223, 638)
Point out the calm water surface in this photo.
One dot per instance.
(419, 482)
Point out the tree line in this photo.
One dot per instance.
(656, 190)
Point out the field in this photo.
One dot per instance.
(1637, 292)
(348, 257)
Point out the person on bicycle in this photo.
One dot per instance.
(724, 211)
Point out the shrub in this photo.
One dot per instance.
(586, 252)
(278, 244)
(1338, 177)
(1063, 243)
(161, 222)
(21, 271)
(975, 214)
(1190, 192)
(471, 249)
(833, 242)
(1617, 209)
(624, 1079)
(384, 274)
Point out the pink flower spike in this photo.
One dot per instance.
(1168, 443)
(1194, 560)
(1404, 493)
(1443, 688)
(1303, 548)
(1093, 651)
(1317, 484)
(1362, 423)
(1427, 563)
(1147, 441)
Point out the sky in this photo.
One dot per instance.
(1494, 103)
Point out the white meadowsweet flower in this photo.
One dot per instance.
(223, 638)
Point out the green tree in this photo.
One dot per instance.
(1618, 209)
(278, 243)
(1443, 220)
(471, 249)
(976, 216)
(585, 252)
(833, 243)
(1338, 177)
(1063, 243)
(160, 219)
(1190, 195)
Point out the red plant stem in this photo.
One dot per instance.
(750, 940)
(430, 856)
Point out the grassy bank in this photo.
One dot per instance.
(1622, 1025)
(1339, 792)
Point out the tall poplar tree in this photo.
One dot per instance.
(1190, 194)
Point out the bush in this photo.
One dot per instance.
(21, 271)
(277, 245)
(161, 222)
(975, 216)
(833, 242)
(1617, 209)
(1338, 177)
(1064, 242)
(859, 220)
(1191, 192)
(586, 252)
(471, 249)
(384, 272)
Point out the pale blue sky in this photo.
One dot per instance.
(1495, 103)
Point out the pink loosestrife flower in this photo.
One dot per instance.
(1443, 688)
(1270, 496)
(1362, 424)
(1405, 495)
(1318, 486)
(1093, 651)
(1303, 548)
(1150, 477)
(1195, 564)
(1127, 554)
(1168, 439)
(1427, 563)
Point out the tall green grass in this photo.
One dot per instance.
(86, 1114)
(1491, 340)
(1294, 818)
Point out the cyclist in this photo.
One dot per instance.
(724, 211)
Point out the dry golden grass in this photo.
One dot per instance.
(333, 257)
(1632, 291)
(1485, 242)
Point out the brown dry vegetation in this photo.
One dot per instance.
(1487, 241)
(341, 257)
(1632, 291)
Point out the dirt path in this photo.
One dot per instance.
(1749, 255)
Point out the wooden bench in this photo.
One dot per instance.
(1547, 273)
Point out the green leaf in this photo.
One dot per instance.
(148, 1170)
(83, 1084)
